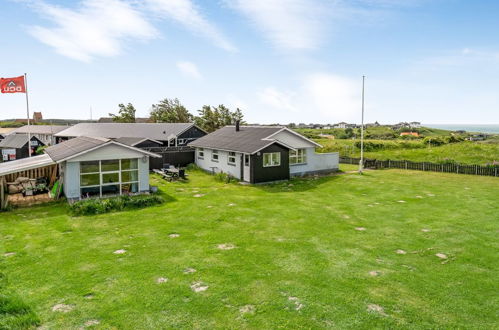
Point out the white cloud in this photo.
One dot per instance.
(334, 96)
(288, 24)
(96, 28)
(186, 13)
(277, 99)
(328, 95)
(189, 69)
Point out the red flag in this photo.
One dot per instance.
(12, 85)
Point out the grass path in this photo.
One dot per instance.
(311, 253)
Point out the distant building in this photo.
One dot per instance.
(415, 124)
(37, 117)
(44, 133)
(478, 137)
(15, 146)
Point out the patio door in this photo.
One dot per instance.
(246, 169)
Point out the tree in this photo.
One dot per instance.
(212, 118)
(126, 114)
(170, 111)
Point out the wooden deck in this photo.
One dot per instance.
(20, 200)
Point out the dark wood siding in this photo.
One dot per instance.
(266, 174)
(191, 134)
(176, 158)
(148, 144)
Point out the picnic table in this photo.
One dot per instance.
(171, 173)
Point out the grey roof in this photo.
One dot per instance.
(14, 141)
(249, 139)
(131, 141)
(39, 129)
(159, 131)
(74, 146)
(81, 144)
(25, 164)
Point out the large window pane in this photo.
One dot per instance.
(110, 165)
(111, 190)
(110, 178)
(89, 180)
(129, 176)
(89, 167)
(129, 188)
(90, 192)
(129, 164)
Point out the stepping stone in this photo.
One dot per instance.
(247, 309)
(63, 308)
(121, 251)
(9, 254)
(374, 273)
(174, 235)
(425, 230)
(198, 195)
(400, 251)
(189, 270)
(199, 287)
(226, 246)
(231, 204)
(373, 308)
(441, 255)
(161, 280)
(360, 228)
(91, 323)
(401, 202)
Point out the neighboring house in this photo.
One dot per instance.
(110, 120)
(478, 137)
(2, 136)
(172, 137)
(15, 146)
(344, 125)
(44, 133)
(261, 153)
(99, 167)
(415, 124)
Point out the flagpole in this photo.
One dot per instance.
(361, 162)
(27, 113)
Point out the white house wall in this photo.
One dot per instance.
(71, 182)
(292, 140)
(316, 163)
(143, 174)
(221, 165)
(108, 152)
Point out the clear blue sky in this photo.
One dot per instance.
(434, 61)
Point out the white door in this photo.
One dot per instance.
(246, 165)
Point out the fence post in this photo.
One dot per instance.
(406, 164)
(476, 169)
(423, 165)
(389, 164)
(457, 171)
(495, 174)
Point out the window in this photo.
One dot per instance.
(214, 155)
(200, 153)
(246, 160)
(271, 159)
(231, 160)
(298, 157)
(109, 177)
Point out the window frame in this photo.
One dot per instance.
(214, 152)
(230, 155)
(201, 153)
(134, 167)
(298, 157)
(273, 162)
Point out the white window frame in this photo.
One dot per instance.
(275, 159)
(213, 154)
(119, 183)
(298, 157)
(200, 153)
(231, 158)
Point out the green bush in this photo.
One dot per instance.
(99, 206)
(225, 177)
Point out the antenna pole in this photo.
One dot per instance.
(361, 162)
(27, 113)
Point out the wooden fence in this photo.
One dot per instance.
(492, 170)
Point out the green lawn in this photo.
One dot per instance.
(298, 260)
(466, 152)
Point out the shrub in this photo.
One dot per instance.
(225, 177)
(99, 206)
